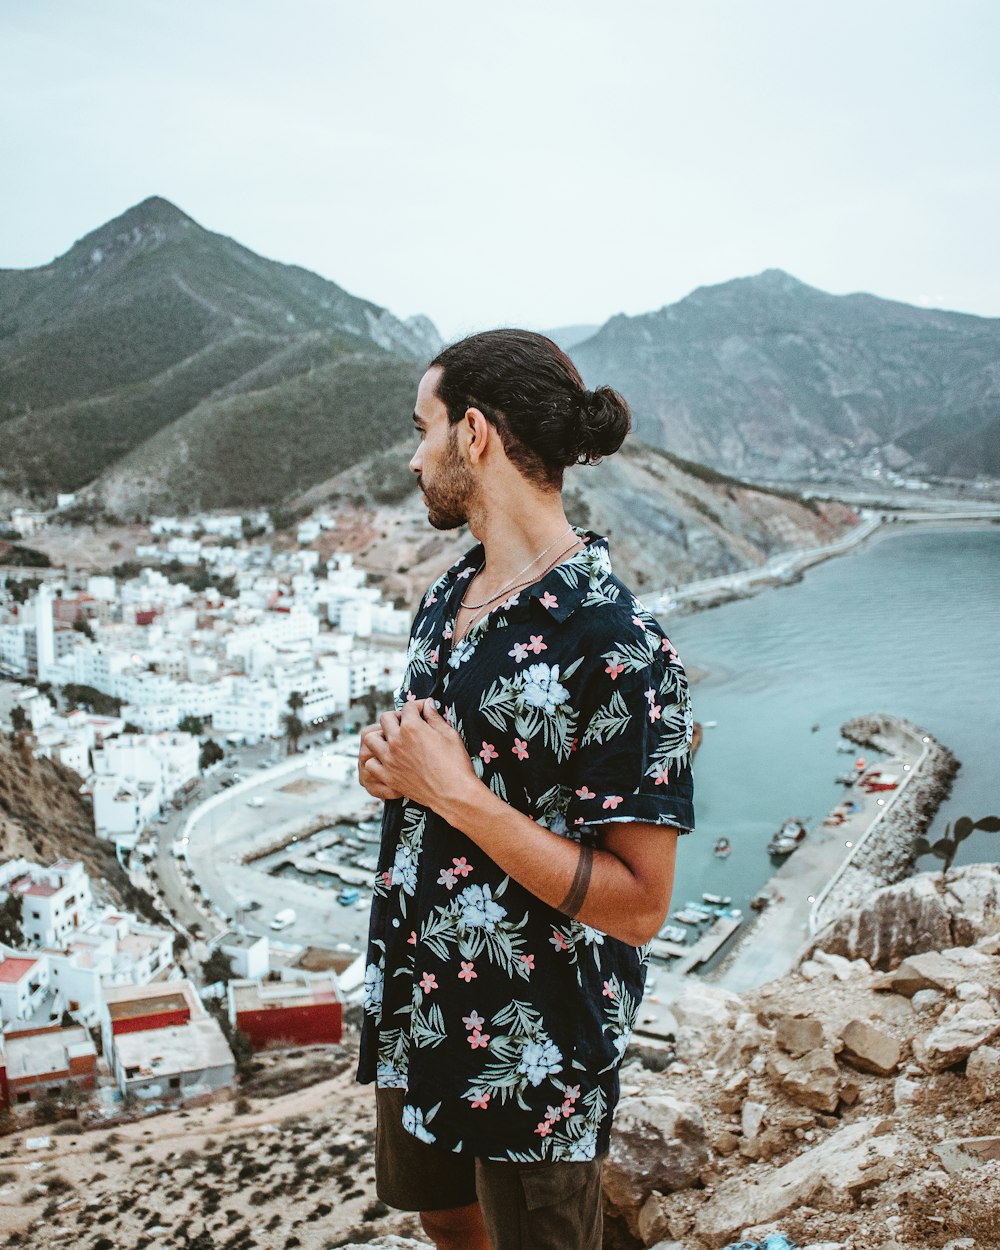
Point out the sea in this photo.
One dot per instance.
(907, 624)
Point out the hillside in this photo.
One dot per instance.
(766, 376)
(151, 317)
(44, 818)
(847, 1108)
(669, 521)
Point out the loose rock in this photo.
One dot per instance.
(869, 1049)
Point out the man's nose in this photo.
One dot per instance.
(415, 462)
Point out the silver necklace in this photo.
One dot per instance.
(463, 641)
(512, 584)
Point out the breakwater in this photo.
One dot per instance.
(884, 854)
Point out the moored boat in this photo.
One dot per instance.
(722, 848)
(717, 900)
(789, 837)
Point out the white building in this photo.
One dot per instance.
(55, 901)
(248, 953)
(24, 984)
(122, 809)
(252, 711)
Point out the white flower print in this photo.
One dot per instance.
(404, 870)
(413, 1122)
(539, 1059)
(582, 1148)
(374, 986)
(388, 1077)
(479, 909)
(542, 688)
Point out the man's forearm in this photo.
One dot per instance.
(591, 885)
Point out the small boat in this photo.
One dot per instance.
(717, 900)
(846, 779)
(700, 909)
(760, 901)
(845, 748)
(690, 917)
(880, 781)
(722, 848)
(673, 933)
(709, 724)
(789, 837)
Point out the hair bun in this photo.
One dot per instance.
(604, 421)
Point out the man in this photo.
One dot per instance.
(535, 775)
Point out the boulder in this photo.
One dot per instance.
(955, 1039)
(983, 1074)
(814, 1080)
(928, 1000)
(869, 1049)
(798, 1034)
(829, 1177)
(918, 915)
(654, 1219)
(930, 971)
(658, 1142)
(967, 1152)
(842, 968)
(705, 1007)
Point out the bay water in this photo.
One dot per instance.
(909, 625)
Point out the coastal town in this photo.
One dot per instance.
(182, 712)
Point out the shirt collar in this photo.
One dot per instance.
(561, 591)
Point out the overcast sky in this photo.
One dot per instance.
(535, 162)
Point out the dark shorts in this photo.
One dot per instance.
(526, 1206)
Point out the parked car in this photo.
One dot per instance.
(348, 896)
(283, 918)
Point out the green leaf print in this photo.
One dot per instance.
(610, 719)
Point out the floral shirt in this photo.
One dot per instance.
(504, 1019)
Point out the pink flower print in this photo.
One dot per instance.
(512, 601)
(536, 644)
(488, 752)
(654, 712)
(667, 646)
(446, 877)
(544, 1129)
(584, 793)
(410, 697)
(480, 1100)
(608, 991)
(548, 600)
(638, 621)
(462, 867)
(479, 1039)
(650, 695)
(571, 1093)
(434, 655)
(529, 961)
(663, 777)
(473, 1021)
(468, 972)
(578, 821)
(465, 573)
(559, 941)
(573, 745)
(552, 1114)
(412, 939)
(519, 651)
(611, 801)
(428, 982)
(568, 1109)
(431, 598)
(446, 632)
(614, 669)
(520, 748)
(387, 878)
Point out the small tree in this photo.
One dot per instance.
(20, 720)
(83, 626)
(946, 848)
(294, 726)
(191, 725)
(210, 754)
(217, 967)
(11, 912)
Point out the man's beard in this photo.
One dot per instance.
(451, 491)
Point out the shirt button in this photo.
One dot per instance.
(395, 924)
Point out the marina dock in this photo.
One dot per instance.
(700, 951)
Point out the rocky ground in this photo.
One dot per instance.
(849, 1107)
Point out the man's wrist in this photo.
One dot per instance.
(464, 803)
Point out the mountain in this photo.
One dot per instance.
(568, 337)
(768, 376)
(152, 319)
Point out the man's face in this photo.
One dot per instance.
(445, 478)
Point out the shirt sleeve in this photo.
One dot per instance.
(632, 760)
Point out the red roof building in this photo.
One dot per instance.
(301, 1009)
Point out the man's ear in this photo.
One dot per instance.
(478, 432)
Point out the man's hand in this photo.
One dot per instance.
(365, 757)
(416, 753)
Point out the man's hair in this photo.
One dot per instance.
(531, 391)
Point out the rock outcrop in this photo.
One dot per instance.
(841, 1105)
(926, 912)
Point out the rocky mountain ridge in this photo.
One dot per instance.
(766, 376)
